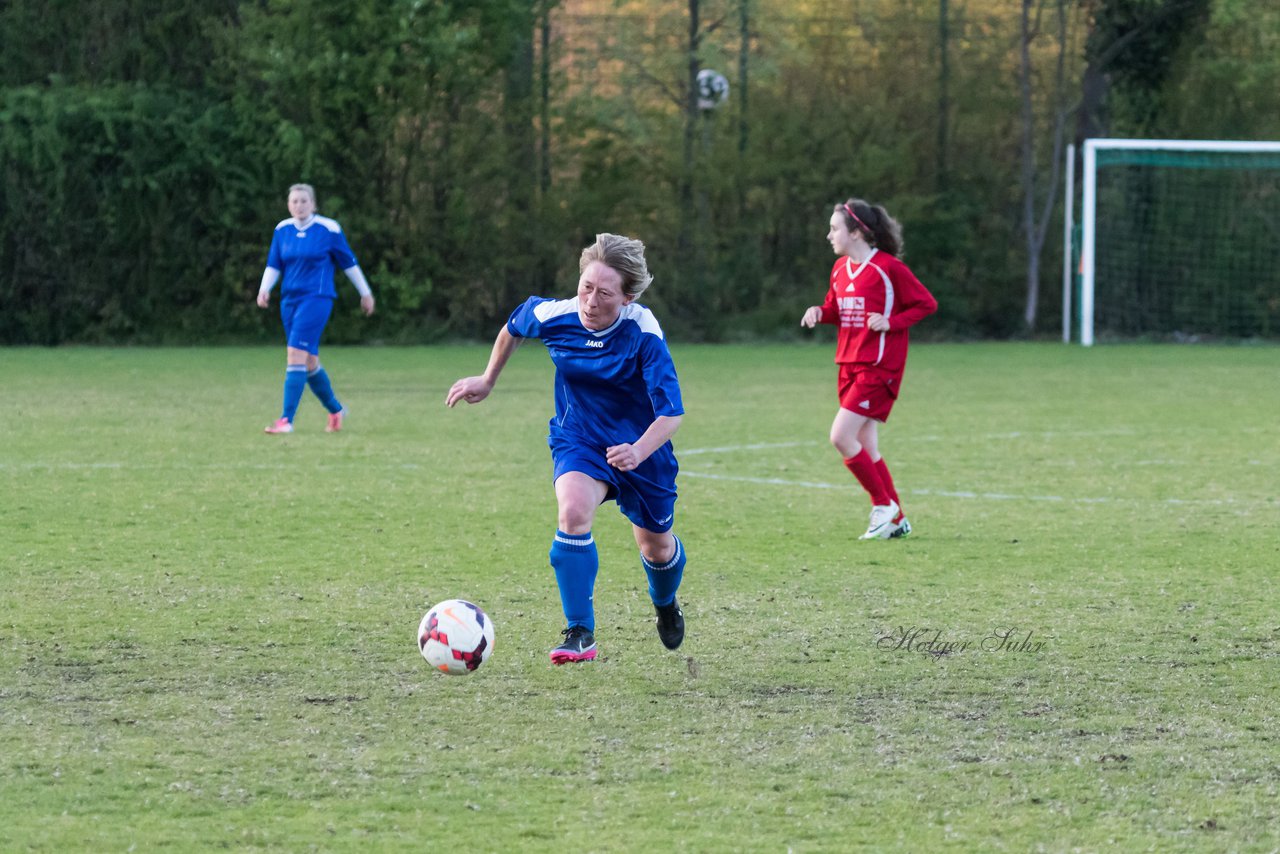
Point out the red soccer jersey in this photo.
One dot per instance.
(881, 285)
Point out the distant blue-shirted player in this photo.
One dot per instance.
(617, 406)
(304, 251)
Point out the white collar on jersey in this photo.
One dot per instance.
(600, 333)
(848, 264)
(306, 224)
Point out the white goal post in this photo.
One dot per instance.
(1182, 155)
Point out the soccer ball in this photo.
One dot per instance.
(455, 637)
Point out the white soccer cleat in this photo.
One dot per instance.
(901, 528)
(882, 522)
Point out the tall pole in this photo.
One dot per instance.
(1068, 257)
(1087, 227)
(544, 103)
(744, 55)
(944, 105)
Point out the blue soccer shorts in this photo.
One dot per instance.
(645, 495)
(304, 321)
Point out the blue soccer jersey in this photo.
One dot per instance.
(610, 384)
(307, 256)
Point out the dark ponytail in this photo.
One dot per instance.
(880, 230)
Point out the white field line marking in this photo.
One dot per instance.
(987, 496)
(943, 493)
(728, 449)
(763, 481)
(1039, 434)
(1017, 434)
(113, 466)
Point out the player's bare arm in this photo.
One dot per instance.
(811, 317)
(628, 456)
(476, 389)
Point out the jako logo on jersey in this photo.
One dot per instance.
(593, 343)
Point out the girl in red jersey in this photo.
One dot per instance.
(874, 299)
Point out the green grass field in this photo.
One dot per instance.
(207, 634)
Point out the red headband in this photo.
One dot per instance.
(860, 223)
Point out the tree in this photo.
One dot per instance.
(687, 243)
(1129, 53)
(152, 42)
(944, 84)
(1225, 86)
(521, 155)
(1035, 226)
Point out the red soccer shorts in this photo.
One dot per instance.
(867, 391)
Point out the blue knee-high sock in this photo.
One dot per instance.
(664, 580)
(574, 558)
(318, 380)
(295, 382)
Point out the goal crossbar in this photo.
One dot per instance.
(1088, 204)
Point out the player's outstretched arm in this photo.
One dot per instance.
(476, 389)
(627, 456)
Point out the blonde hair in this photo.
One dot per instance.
(308, 189)
(624, 255)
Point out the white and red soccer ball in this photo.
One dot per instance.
(455, 637)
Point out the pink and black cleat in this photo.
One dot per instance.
(579, 645)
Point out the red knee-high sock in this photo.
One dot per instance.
(887, 480)
(865, 471)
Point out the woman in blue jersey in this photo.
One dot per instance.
(617, 404)
(304, 250)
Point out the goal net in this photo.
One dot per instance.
(1180, 240)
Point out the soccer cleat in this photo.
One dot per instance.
(670, 624)
(282, 425)
(903, 527)
(882, 525)
(335, 421)
(579, 645)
